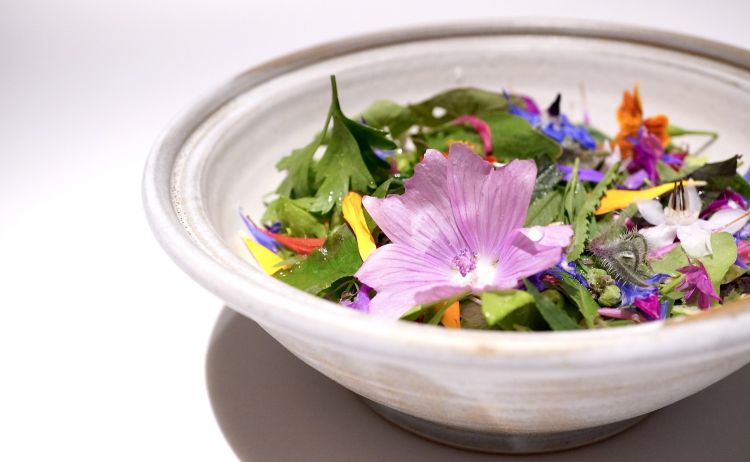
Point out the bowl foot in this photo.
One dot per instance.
(501, 443)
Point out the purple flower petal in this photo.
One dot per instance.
(361, 300)
(421, 218)
(647, 151)
(261, 238)
(635, 180)
(456, 229)
(488, 203)
(404, 279)
(696, 286)
(727, 199)
(531, 250)
(584, 174)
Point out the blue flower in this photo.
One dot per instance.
(630, 293)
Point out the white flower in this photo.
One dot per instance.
(680, 219)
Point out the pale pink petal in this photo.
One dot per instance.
(651, 211)
(695, 239)
(729, 220)
(404, 278)
(488, 203)
(421, 218)
(529, 251)
(659, 236)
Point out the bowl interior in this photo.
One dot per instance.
(229, 160)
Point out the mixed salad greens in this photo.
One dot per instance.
(476, 209)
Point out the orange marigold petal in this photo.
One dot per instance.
(452, 316)
(658, 126)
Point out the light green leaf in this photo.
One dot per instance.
(723, 256)
(497, 305)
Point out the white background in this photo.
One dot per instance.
(102, 338)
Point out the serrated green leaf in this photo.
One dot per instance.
(342, 167)
(555, 316)
(497, 305)
(544, 210)
(338, 258)
(584, 215)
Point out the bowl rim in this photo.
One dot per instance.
(294, 310)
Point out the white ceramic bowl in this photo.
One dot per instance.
(503, 391)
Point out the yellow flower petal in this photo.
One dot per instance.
(354, 215)
(452, 316)
(265, 258)
(617, 199)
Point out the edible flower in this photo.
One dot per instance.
(267, 260)
(481, 127)
(266, 241)
(351, 208)
(555, 124)
(300, 245)
(697, 286)
(652, 308)
(728, 199)
(452, 316)
(616, 199)
(680, 219)
(646, 152)
(458, 228)
(630, 119)
(584, 174)
(361, 301)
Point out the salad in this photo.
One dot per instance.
(478, 209)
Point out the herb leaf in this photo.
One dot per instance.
(458, 102)
(723, 256)
(342, 167)
(514, 138)
(385, 114)
(580, 296)
(338, 258)
(497, 305)
(294, 218)
(555, 316)
(545, 209)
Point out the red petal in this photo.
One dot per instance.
(301, 245)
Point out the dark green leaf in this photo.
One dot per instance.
(548, 176)
(580, 296)
(555, 316)
(458, 102)
(725, 168)
(342, 167)
(514, 138)
(338, 258)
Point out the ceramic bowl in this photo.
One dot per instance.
(494, 391)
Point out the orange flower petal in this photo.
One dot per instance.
(452, 316)
(658, 125)
(630, 118)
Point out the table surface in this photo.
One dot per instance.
(102, 339)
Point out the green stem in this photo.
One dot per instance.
(674, 131)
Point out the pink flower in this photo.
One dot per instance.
(481, 127)
(697, 286)
(457, 229)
